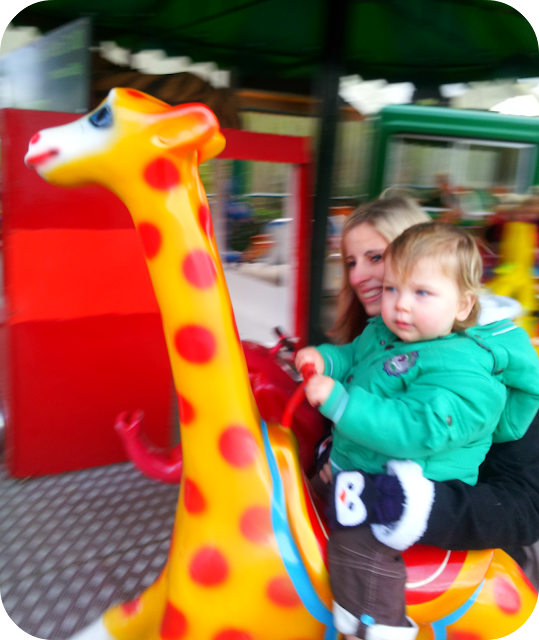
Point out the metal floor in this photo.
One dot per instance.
(73, 544)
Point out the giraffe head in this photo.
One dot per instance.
(108, 145)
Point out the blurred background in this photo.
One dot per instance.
(344, 100)
(321, 70)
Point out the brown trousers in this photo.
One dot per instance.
(367, 578)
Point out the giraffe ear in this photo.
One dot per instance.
(186, 128)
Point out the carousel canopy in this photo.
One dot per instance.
(421, 41)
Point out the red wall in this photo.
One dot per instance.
(83, 335)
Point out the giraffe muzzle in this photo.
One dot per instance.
(34, 162)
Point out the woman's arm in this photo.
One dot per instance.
(500, 511)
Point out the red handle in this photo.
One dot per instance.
(285, 342)
(307, 371)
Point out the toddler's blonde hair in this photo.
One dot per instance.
(452, 248)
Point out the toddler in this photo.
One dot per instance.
(422, 382)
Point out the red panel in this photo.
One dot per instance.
(84, 338)
(70, 381)
(265, 147)
(303, 256)
(57, 274)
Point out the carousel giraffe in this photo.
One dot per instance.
(246, 559)
(226, 552)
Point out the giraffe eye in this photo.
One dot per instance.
(102, 117)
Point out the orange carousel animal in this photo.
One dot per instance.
(247, 554)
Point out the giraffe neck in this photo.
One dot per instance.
(206, 355)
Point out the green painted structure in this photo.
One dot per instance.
(443, 123)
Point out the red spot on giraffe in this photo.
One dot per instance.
(151, 239)
(238, 446)
(462, 635)
(35, 138)
(186, 410)
(174, 625)
(204, 217)
(282, 593)
(135, 94)
(255, 525)
(199, 269)
(162, 174)
(208, 567)
(233, 634)
(130, 608)
(506, 596)
(194, 500)
(195, 344)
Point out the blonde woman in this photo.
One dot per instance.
(502, 509)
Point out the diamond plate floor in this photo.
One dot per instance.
(73, 544)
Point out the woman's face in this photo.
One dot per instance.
(363, 249)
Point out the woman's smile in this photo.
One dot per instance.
(370, 294)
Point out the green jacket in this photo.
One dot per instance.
(440, 402)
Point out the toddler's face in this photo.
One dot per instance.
(425, 305)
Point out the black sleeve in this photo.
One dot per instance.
(500, 511)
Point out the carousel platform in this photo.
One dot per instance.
(73, 544)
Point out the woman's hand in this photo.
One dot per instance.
(310, 355)
(318, 389)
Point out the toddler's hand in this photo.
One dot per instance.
(310, 355)
(318, 389)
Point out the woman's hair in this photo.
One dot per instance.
(452, 248)
(390, 217)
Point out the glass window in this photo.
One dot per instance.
(418, 163)
(415, 163)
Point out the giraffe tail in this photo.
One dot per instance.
(157, 464)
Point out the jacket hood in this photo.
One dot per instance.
(517, 364)
(495, 308)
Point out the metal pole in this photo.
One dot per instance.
(328, 91)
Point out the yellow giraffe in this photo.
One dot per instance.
(243, 564)
(514, 275)
(225, 578)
